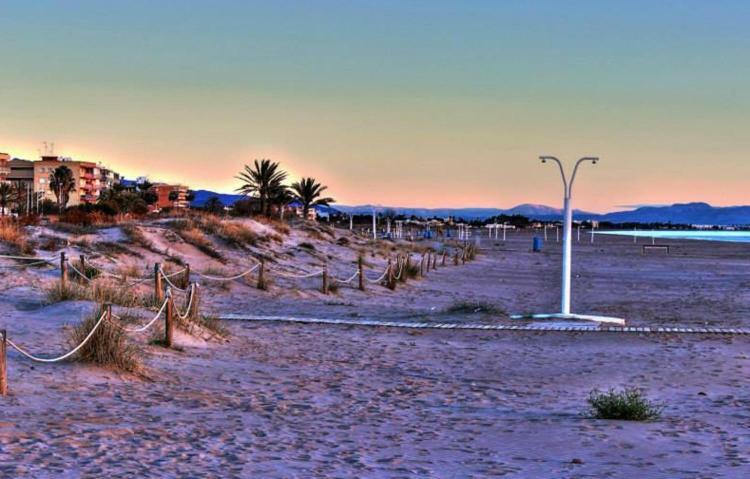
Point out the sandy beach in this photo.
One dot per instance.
(295, 400)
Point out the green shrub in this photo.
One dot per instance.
(630, 404)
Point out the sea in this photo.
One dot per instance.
(702, 235)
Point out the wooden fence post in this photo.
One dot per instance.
(455, 259)
(195, 312)
(463, 256)
(186, 278)
(82, 259)
(325, 279)
(361, 269)
(421, 266)
(168, 322)
(158, 293)
(63, 271)
(3, 363)
(262, 274)
(434, 261)
(389, 277)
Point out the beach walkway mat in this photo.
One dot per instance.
(490, 327)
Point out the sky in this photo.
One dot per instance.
(395, 102)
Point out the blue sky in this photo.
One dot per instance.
(424, 103)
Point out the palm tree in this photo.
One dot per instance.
(7, 195)
(265, 180)
(307, 191)
(62, 182)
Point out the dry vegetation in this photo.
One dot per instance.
(189, 232)
(233, 233)
(14, 235)
(102, 291)
(107, 347)
(136, 236)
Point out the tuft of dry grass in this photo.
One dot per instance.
(107, 347)
(280, 226)
(14, 235)
(188, 230)
(237, 234)
(100, 291)
(136, 236)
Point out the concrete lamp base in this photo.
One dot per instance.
(573, 317)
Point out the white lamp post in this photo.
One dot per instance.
(567, 250)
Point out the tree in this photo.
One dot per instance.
(21, 195)
(62, 182)
(7, 197)
(214, 205)
(308, 192)
(265, 180)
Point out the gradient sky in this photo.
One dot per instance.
(409, 103)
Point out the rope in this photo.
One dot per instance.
(26, 265)
(115, 275)
(230, 278)
(150, 323)
(348, 280)
(190, 303)
(29, 258)
(382, 276)
(170, 283)
(401, 264)
(64, 356)
(299, 276)
(172, 275)
(70, 265)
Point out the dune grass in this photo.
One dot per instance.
(108, 347)
(135, 236)
(102, 291)
(629, 404)
(189, 231)
(14, 235)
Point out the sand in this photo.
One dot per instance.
(290, 400)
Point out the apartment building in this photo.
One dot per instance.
(21, 171)
(170, 196)
(86, 177)
(4, 167)
(108, 178)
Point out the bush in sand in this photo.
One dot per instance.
(630, 404)
(14, 235)
(107, 347)
(101, 291)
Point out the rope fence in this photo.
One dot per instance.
(167, 311)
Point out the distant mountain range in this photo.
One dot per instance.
(683, 213)
(541, 212)
(679, 213)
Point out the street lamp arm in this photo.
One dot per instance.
(593, 161)
(562, 172)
